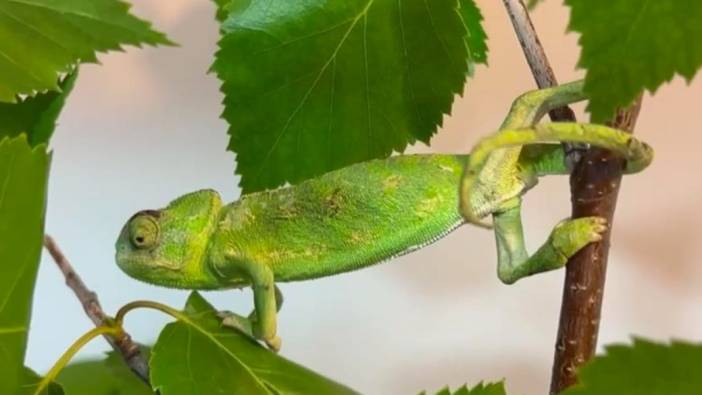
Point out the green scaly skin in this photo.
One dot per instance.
(369, 213)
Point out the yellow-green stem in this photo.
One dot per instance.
(147, 304)
(72, 350)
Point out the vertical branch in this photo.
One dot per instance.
(594, 187)
(124, 345)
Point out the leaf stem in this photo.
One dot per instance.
(72, 350)
(148, 304)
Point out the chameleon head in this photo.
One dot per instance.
(168, 246)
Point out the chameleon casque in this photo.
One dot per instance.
(371, 212)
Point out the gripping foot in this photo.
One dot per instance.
(246, 326)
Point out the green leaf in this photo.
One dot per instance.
(533, 3)
(224, 7)
(107, 376)
(195, 355)
(41, 38)
(480, 389)
(30, 380)
(35, 115)
(222, 12)
(23, 178)
(476, 38)
(644, 368)
(632, 45)
(314, 86)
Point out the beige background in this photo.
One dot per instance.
(143, 128)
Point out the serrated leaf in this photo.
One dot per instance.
(221, 13)
(30, 380)
(476, 38)
(41, 38)
(224, 7)
(35, 115)
(23, 178)
(643, 368)
(479, 389)
(533, 3)
(314, 86)
(107, 376)
(198, 356)
(632, 45)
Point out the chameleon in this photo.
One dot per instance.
(372, 212)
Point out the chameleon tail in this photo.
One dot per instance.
(637, 153)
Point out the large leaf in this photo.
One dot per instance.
(41, 38)
(35, 115)
(312, 86)
(30, 380)
(632, 45)
(108, 376)
(23, 176)
(476, 38)
(644, 368)
(225, 7)
(197, 356)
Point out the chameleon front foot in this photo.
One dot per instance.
(274, 343)
(237, 322)
(246, 326)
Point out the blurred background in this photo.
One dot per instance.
(144, 128)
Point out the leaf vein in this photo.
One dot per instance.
(311, 88)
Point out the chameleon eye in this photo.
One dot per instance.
(143, 231)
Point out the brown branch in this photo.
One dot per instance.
(123, 345)
(594, 188)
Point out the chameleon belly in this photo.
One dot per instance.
(346, 219)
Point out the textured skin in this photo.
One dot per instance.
(346, 219)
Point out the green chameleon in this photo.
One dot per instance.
(371, 212)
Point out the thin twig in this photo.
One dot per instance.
(123, 345)
(594, 188)
(541, 69)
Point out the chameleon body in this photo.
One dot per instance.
(370, 212)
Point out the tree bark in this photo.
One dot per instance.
(594, 184)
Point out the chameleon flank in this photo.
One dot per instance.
(371, 212)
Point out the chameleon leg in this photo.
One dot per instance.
(278, 302)
(567, 238)
(264, 290)
(244, 324)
